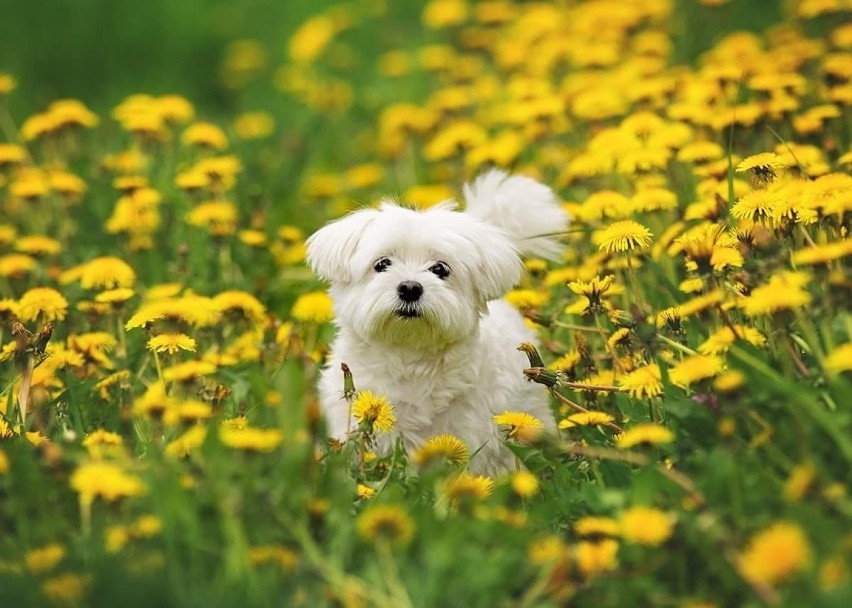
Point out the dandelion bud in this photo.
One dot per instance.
(532, 354)
(540, 375)
(348, 382)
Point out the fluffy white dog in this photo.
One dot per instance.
(419, 315)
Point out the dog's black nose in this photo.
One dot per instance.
(409, 291)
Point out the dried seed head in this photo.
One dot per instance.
(42, 338)
(19, 332)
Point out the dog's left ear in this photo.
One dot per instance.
(330, 249)
(499, 267)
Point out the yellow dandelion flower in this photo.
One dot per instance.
(822, 254)
(11, 154)
(184, 444)
(547, 550)
(16, 265)
(596, 526)
(604, 377)
(188, 370)
(833, 573)
(35, 437)
(620, 337)
(374, 411)
(593, 293)
(566, 362)
(764, 166)
(364, 492)
(67, 184)
(115, 296)
(171, 343)
(722, 339)
(385, 523)
(107, 273)
(314, 307)
(696, 368)
(526, 299)
(729, 382)
(595, 288)
(454, 138)
(163, 291)
(253, 238)
(250, 438)
(524, 484)
(190, 410)
(799, 482)
(242, 303)
(206, 135)
(594, 558)
(106, 480)
(8, 233)
(775, 553)
(311, 38)
(697, 304)
(4, 462)
(66, 589)
(254, 125)
(645, 526)
(101, 437)
(8, 310)
(42, 303)
(445, 448)
(758, 206)
(44, 559)
(218, 216)
(783, 291)
(521, 426)
(648, 433)
(645, 381)
(626, 235)
(154, 401)
(591, 418)
(284, 558)
(192, 180)
(700, 151)
(469, 488)
(38, 245)
(93, 346)
(195, 310)
(839, 360)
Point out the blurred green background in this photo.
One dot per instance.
(103, 50)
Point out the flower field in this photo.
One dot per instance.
(161, 443)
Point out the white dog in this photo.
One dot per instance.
(416, 296)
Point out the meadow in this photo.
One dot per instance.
(161, 165)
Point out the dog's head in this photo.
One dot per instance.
(414, 278)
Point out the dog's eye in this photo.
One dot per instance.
(381, 264)
(440, 270)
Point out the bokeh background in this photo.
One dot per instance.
(169, 334)
(101, 51)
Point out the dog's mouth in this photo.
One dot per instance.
(408, 312)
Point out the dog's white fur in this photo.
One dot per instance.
(453, 367)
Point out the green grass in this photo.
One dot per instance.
(286, 526)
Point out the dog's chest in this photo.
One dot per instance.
(424, 394)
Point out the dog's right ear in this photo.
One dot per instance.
(330, 249)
